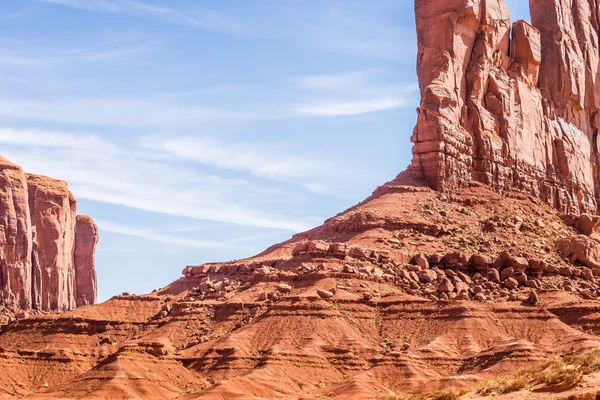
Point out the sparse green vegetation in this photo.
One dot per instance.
(451, 394)
(563, 374)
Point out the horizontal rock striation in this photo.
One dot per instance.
(512, 106)
(38, 261)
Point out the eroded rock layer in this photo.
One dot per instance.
(411, 291)
(15, 237)
(37, 244)
(512, 106)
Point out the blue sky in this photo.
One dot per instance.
(196, 131)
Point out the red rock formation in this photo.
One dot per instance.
(37, 244)
(15, 237)
(52, 208)
(86, 238)
(517, 112)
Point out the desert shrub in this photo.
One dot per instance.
(451, 394)
(566, 373)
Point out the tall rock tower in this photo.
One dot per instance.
(512, 106)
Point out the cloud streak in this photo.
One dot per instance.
(329, 108)
(157, 111)
(273, 160)
(197, 18)
(120, 229)
(323, 28)
(143, 180)
(352, 93)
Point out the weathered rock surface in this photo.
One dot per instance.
(582, 249)
(37, 244)
(52, 208)
(86, 238)
(514, 108)
(15, 237)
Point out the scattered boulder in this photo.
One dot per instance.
(520, 277)
(518, 263)
(507, 273)
(284, 288)
(533, 298)
(582, 249)
(480, 261)
(445, 286)
(421, 261)
(454, 260)
(317, 247)
(339, 249)
(427, 276)
(587, 274)
(493, 275)
(480, 297)
(533, 283)
(586, 224)
(511, 283)
(325, 294)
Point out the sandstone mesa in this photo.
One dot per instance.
(480, 259)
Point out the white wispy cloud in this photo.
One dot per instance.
(38, 138)
(161, 237)
(115, 227)
(162, 111)
(340, 82)
(352, 93)
(149, 111)
(197, 18)
(278, 161)
(364, 83)
(94, 55)
(330, 108)
(323, 28)
(133, 178)
(47, 55)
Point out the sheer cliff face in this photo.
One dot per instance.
(513, 106)
(86, 238)
(37, 244)
(52, 208)
(15, 237)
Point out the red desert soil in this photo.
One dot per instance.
(338, 312)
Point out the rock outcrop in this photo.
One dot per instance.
(15, 237)
(514, 107)
(52, 208)
(37, 244)
(86, 238)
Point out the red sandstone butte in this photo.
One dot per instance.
(86, 238)
(513, 108)
(37, 244)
